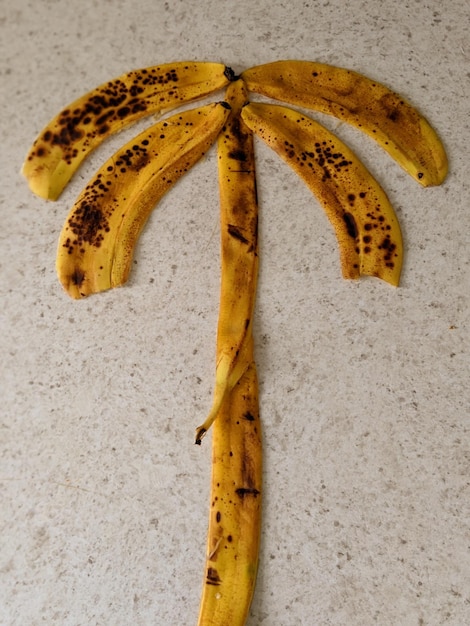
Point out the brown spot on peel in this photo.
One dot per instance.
(238, 155)
(234, 231)
(247, 491)
(213, 577)
(351, 225)
(77, 277)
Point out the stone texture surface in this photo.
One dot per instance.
(364, 388)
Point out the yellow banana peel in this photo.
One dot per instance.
(367, 229)
(366, 104)
(85, 123)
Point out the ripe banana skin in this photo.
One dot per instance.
(85, 123)
(239, 249)
(366, 104)
(99, 236)
(365, 223)
(235, 509)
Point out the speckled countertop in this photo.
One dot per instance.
(364, 388)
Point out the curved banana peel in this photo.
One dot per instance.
(79, 128)
(365, 104)
(365, 223)
(97, 241)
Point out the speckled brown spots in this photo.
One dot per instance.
(289, 147)
(249, 416)
(108, 108)
(389, 249)
(88, 223)
(328, 158)
(218, 516)
(100, 121)
(134, 158)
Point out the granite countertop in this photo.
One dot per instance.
(363, 388)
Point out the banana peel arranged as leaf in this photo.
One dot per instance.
(100, 233)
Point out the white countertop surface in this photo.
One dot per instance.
(364, 390)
